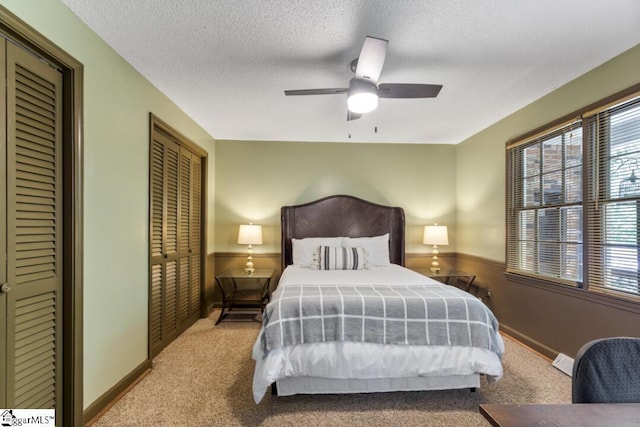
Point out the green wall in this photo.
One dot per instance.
(481, 159)
(117, 102)
(254, 179)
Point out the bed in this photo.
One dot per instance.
(347, 317)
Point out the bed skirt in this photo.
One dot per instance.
(313, 385)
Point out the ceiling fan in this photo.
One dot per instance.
(363, 91)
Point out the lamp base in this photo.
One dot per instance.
(435, 265)
(248, 268)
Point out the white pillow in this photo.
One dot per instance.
(377, 248)
(302, 250)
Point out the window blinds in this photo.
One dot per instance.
(613, 198)
(557, 233)
(544, 204)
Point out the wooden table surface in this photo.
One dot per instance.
(573, 415)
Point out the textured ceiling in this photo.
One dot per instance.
(226, 63)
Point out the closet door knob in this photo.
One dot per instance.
(5, 287)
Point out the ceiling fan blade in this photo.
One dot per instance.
(352, 116)
(408, 90)
(332, 91)
(371, 59)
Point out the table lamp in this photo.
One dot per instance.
(435, 235)
(250, 234)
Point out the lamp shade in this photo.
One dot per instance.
(435, 235)
(250, 234)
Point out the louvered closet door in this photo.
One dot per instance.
(163, 310)
(195, 226)
(176, 224)
(33, 232)
(190, 224)
(156, 247)
(184, 240)
(3, 234)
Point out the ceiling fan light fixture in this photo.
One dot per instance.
(362, 97)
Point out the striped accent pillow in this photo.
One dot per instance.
(339, 258)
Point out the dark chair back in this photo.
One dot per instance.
(607, 371)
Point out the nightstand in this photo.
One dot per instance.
(457, 278)
(244, 291)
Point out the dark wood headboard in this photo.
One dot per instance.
(340, 215)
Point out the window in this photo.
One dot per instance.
(557, 233)
(613, 203)
(545, 209)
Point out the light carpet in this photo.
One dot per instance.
(204, 378)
